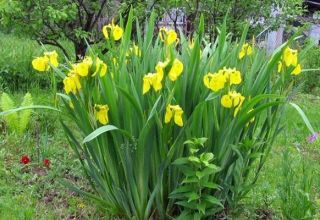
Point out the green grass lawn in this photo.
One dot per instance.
(293, 150)
(35, 192)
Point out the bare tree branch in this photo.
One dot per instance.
(103, 4)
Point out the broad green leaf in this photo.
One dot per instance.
(102, 130)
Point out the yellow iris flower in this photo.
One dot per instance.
(101, 113)
(246, 50)
(72, 83)
(154, 79)
(217, 81)
(232, 99)
(175, 112)
(43, 63)
(296, 70)
(116, 31)
(82, 68)
(290, 57)
(101, 68)
(160, 66)
(226, 101)
(214, 81)
(176, 70)
(168, 36)
(53, 58)
(232, 75)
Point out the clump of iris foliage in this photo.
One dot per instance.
(173, 126)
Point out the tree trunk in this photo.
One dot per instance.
(80, 49)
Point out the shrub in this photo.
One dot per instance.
(138, 104)
(311, 78)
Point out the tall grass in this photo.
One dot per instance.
(16, 72)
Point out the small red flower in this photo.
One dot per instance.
(25, 159)
(46, 163)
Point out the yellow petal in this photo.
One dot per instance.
(101, 113)
(97, 65)
(103, 69)
(117, 33)
(105, 32)
(41, 63)
(226, 101)
(53, 58)
(297, 70)
(290, 57)
(72, 84)
(178, 118)
(235, 78)
(242, 54)
(156, 81)
(146, 85)
(159, 72)
(171, 37)
(66, 83)
(168, 115)
(77, 83)
(217, 82)
(176, 70)
(82, 69)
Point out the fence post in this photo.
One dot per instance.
(274, 40)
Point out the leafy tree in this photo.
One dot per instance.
(260, 13)
(50, 21)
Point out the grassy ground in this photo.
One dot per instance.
(292, 171)
(35, 192)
